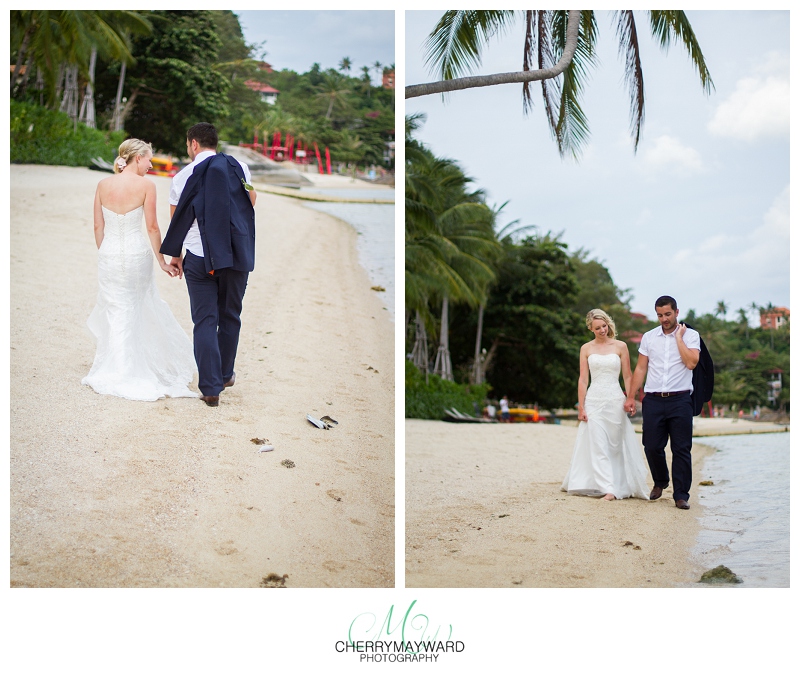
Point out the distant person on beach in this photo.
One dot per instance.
(667, 355)
(213, 220)
(142, 351)
(607, 459)
(505, 415)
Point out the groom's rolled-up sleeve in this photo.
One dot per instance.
(692, 339)
(643, 348)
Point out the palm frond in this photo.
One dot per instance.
(454, 46)
(528, 54)
(629, 49)
(551, 87)
(671, 25)
(572, 128)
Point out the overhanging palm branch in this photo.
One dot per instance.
(561, 43)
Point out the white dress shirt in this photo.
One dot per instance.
(192, 242)
(666, 372)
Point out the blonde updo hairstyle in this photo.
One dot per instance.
(600, 314)
(129, 150)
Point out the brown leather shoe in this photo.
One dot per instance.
(682, 504)
(230, 382)
(211, 401)
(656, 493)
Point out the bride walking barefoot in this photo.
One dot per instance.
(607, 460)
(142, 351)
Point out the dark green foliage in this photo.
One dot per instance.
(429, 400)
(53, 139)
(174, 79)
(531, 333)
(245, 109)
(534, 336)
(596, 289)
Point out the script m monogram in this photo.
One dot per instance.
(408, 626)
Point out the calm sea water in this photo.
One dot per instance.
(375, 226)
(357, 193)
(745, 525)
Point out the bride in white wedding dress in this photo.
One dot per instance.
(607, 460)
(142, 351)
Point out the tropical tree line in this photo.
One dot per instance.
(747, 360)
(155, 73)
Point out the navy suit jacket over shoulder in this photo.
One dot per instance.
(215, 195)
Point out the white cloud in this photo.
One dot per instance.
(740, 268)
(667, 152)
(758, 108)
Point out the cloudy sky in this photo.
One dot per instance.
(700, 212)
(295, 39)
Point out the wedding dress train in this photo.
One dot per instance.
(142, 351)
(607, 458)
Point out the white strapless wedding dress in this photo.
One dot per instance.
(142, 351)
(608, 457)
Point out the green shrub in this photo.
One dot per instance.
(429, 400)
(40, 136)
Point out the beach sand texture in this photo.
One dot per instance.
(108, 492)
(484, 508)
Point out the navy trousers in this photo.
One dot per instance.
(669, 418)
(216, 302)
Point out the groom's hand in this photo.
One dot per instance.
(178, 263)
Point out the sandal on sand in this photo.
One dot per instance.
(324, 422)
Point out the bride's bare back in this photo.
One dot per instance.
(123, 192)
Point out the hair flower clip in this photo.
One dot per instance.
(121, 163)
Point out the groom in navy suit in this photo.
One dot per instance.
(212, 218)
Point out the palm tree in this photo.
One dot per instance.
(55, 41)
(744, 322)
(755, 308)
(276, 120)
(332, 89)
(345, 65)
(450, 242)
(365, 79)
(722, 309)
(768, 310)
(558, 43)
(350, 149)
(378, 68)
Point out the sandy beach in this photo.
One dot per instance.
(107, 492)
(484, 508)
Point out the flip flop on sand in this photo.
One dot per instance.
(324, 422)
